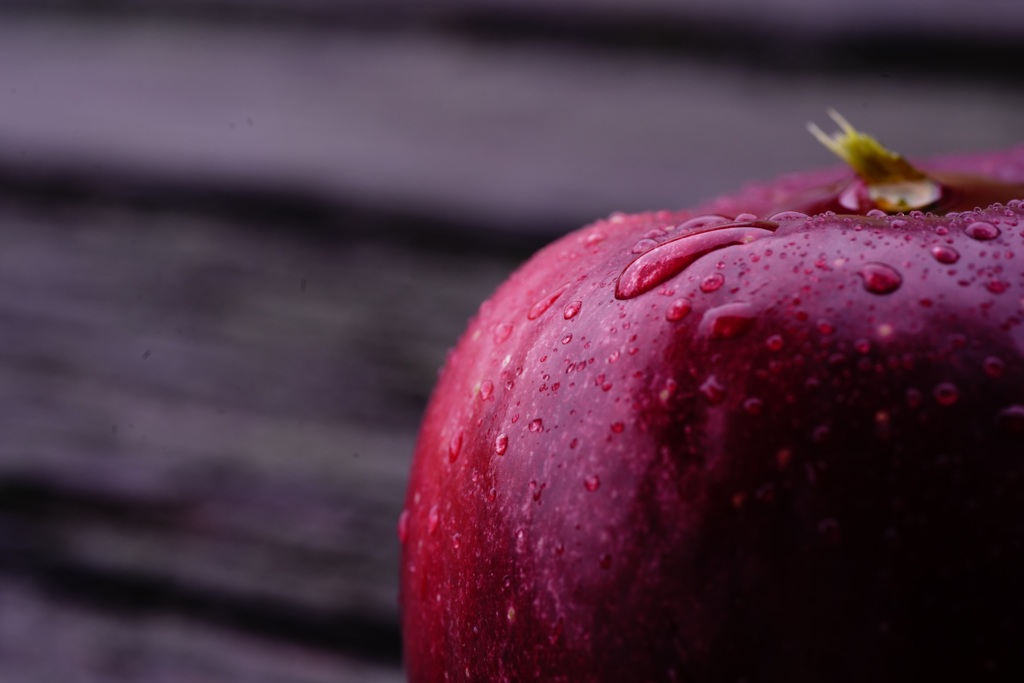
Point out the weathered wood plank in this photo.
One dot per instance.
(213, 426)
(515, 137)
(913, 17)
(43, 641)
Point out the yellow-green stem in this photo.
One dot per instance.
(893, 183)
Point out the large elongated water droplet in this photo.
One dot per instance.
(669, 259)
(545, 302)
(455, 446)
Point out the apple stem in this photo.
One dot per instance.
(893, 184)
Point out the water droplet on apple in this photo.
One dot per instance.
(572, 310)
(705, 221)
(643, 245)
(556, 631)
(546, 302)
(618, 427)
(775, 342)
(728, 321)
(946, 393)
(668, 390)
(982, 231)
(783, 457)
(712, 283)
(433, 519)
(997, 286)
(403, 526)
(1011, 419)
(829, 530)
(536, 425)
(566, 339)
(486, 389)
(789, 216)
(994, 366)
(914, 398)
(862, 345)
(713, 390)
(944, 254)
(455, 446)
(456, 540)
(502, 332)
(501, 443)
(592, 483)
(511, 615)
(880, 278)
(765, 493)
(753, 405)
(670, 258)
(679, 309)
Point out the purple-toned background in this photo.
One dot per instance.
(239, 235)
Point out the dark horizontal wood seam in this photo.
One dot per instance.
(931, 52)
(295, 213)
(29, 553)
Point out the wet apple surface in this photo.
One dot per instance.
(771, 439)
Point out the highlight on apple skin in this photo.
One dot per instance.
(779, 437)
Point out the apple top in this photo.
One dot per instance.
(888, 182)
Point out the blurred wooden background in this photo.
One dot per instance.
(237, 237)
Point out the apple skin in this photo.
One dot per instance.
(797, 479)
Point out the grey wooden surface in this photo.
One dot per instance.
(237, 238)
(210, 429)
(521, 137)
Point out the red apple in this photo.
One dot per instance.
(777, 438)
